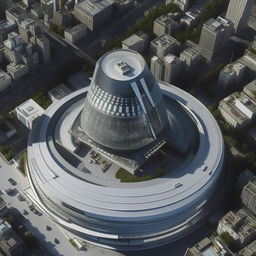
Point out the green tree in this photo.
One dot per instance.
(228, 240)
(22, 162)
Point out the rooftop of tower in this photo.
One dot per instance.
(122, 64)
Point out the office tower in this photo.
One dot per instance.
(43, 47)
(165, 24)
(190, 55)
(157, 67)
(163, 45)
(173, 68)
(249, 195)
(93, 13)
(136, 42)
(214, 36)
(252, 18)
(238, 12)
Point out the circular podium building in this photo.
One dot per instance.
(126, 124)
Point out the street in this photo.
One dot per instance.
(36, 223)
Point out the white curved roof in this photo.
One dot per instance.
(142, 200)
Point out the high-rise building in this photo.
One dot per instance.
(15, 14)
(28, 112)
(5, 80)
(18, 52)
(17, 71)
(238, 12)
(157, 68)
(190, 55)
(93, 13)
(232, 75)
(252, 18)
(137, 42)
(43, 47)
(23, 27)
(215, 36)
(75, 33)
(249, 195)
(163, 45)
(173, 68)
(254, 43)
(6, 27)
(165, 24)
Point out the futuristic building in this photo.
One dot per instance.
(127, 120)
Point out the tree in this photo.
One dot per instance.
(7, 152)
(212, 9)
(228, 240)
(22, 162)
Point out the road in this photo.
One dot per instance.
(34, 222)
(116, 28)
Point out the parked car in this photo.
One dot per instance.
(48, 228)
(25, 212)
(31, 207)
(35, 211)
(21, 197)
(11, 192)
(56, 241)
(12, 181)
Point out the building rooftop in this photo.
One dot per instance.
(249, 60)
(247, 102)
(172, 59)
(4, 227)
(190, 48)
(30, 109)
(229, 105)
(249, 250)
(93, 7)
(6, 24)
(240, 222)
(76, 28)
(250, 89)
(26, 23)
(164, 41)
(252, 185)
(166, 19)
(13, 68)
(133, 39)
(212, 246)
(218, 24)
(59, 91)
(192, 13)
(157, 59)
(3, 76)
(12, 242)
(131, 60)
(233, 67)
(13, 41)
(17, 12)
